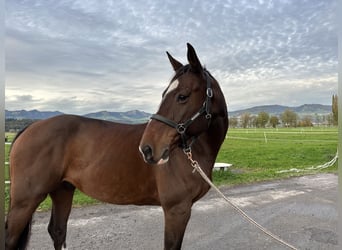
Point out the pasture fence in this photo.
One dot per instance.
(267, 136)
(266, 139)
(303, 136)
(7, 164)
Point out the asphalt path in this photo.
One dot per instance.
(302, 211)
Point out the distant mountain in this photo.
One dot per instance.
(313, 109)
(306, 109)
(137, 116)
(30, 114)
(133, 116)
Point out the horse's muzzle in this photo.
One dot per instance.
(147, 153)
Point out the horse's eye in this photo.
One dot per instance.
(182, 98)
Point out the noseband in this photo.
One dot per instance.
(182, 126)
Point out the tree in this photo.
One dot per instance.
(274, 121)
(262, 119)
(252, 121)
(245, 118)
(330, 120)
(335, 109)
(233, 122)
(306, 122)
(289, 118)
(14, 125)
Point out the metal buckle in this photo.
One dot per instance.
(181, 128)
(187, 150)
(210, 92)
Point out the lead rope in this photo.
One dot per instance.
(197, 168)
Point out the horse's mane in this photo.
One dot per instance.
(185, 69)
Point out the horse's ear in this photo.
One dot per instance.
(175, 64)
(193, 59)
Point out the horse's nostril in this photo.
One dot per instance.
(147, 152)
(148, 156)
(165, 154)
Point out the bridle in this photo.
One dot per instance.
(181, 127)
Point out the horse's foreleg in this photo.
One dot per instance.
(176, 220)
(61, 207)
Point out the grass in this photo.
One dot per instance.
(256, 155)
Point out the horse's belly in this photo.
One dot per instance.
(121, 191)
(127, 197)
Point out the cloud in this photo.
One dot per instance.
(17, 101)
(88, 55)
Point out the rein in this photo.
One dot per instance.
(181, 127)
(196, 167)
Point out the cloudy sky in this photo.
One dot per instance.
(81, 56)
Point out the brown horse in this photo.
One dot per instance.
(102, 159)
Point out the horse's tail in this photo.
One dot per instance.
(24, 236)
(15, 138)
(17, 135)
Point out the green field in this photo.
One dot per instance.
(257, 155)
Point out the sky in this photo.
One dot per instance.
(82, 56)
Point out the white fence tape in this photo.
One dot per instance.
(319, 167)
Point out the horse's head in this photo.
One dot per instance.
(189, 105)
